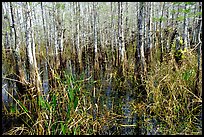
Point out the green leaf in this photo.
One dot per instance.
(180, 10)
(180, 18)
(71, 95)
(173, 11)
(54, 101)
(156, 19)
(63, 6)
(188, 74)
(75, 102)
(44, 104)
(58, 5)
(41, 102)
(53, 128)
(68, 111)
(47, 105)
(189, 15)
(24, 108)
(163, 18)
(75, 130)
(13, 110)
(63, 129)
(198, 13)
(186, 11)
(177, 3)
(190, 3)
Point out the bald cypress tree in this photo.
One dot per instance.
(140, 64)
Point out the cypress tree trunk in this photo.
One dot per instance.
(140, 63)
(198, 92)
(185, 27)
(33, 69)
(20, 86)
(160, 35)
(95, 37)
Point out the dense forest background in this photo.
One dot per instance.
(155, 47)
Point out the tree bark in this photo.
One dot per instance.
(198, 91)
(33, 69)
(140, 65)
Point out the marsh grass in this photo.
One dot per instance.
(68, 108)
(171, 97)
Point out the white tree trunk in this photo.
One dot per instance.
(185, 29)
(95, 28)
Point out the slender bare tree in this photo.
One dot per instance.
(33, 69)
(198, 91)
(140, 65)
(95, 37)
(185, 28)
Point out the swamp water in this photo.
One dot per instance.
(108, 99)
